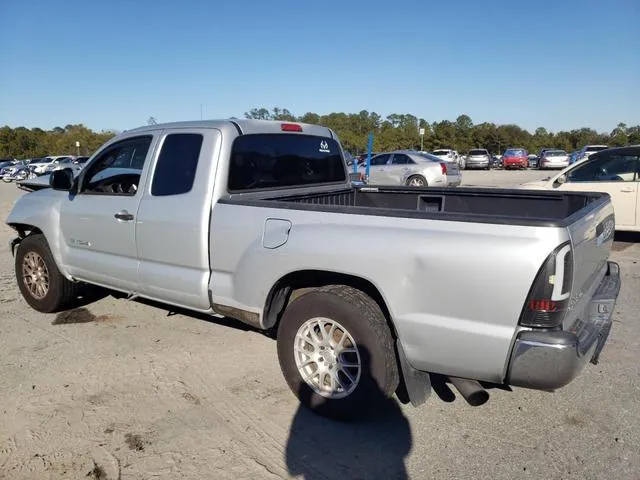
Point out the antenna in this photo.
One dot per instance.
(152, 121)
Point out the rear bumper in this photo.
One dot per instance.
(546, 360)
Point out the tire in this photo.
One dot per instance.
(33, 253)
(417, 181)
(354, 314)
(7, 180)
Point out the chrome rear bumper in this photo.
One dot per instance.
(546, 360)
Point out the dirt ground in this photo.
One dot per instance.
(118, 389)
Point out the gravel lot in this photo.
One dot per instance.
(129, 390)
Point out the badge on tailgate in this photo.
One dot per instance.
(605, 230)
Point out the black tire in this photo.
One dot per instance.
(60, 291)
(417, 177)
(361, 316)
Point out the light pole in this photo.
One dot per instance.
(77, 149)
(422, 139)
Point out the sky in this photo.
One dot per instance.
(560, 64)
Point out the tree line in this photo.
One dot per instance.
(395, 131)
(22, 143)
(401, 131)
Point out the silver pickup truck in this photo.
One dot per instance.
(371, 291)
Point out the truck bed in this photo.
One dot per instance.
(487, 205)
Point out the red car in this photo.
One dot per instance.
(515, 158)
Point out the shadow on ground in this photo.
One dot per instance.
(371, 445)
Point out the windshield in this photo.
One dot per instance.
(478, 152)
(596, 148)
(284, 160)
(441, 152)
(555, 153)
(514, 152)
(45, 160)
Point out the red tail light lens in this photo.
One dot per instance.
(291, 127)
(548, 299)
(443, 167)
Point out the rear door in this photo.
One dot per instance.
(378, 174)
(172, 231)
(612, 173)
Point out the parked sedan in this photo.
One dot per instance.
(554, 159)
(478, 158)
(408, 167)
(615, 171)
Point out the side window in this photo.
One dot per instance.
(400, 159)
(117, 170)
(177, 163)
(380, 159)
(607, 168)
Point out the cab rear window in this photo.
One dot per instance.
(265, 161)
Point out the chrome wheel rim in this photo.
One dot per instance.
(416, 182)
(327, 358)
(35, 275)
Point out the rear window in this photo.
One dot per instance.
(595, 148)
(284, 160)
(441, 152)
(477, 152)
(555, 153)
(515, 152)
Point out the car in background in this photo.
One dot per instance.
(58, 163)
(615, 171)
(515, 158)
(554, 159)
(412, 168)
(478, 158)
(588, 150)
(446, 154)
(534, 160)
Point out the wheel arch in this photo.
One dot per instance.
(293, 284)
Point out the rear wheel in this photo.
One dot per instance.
(337, 353)
(417, 181)
(40, 282)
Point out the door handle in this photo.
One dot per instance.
(124, 216)
(627, 189)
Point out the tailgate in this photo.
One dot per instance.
(592, 238)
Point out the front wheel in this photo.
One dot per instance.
(337, 353)
(41, 284)
(417, 181)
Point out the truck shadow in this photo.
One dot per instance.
(371, 444)
(624, 240)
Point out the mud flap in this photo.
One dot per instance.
(417, 383)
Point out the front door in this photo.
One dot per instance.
(98, 222)
(612, 173)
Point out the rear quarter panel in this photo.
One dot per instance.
(454, 290)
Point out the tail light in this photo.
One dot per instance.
(443, 167)
(546, 305)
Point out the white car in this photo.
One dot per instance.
(615, 171)
(412, 168)
(447, 155)
(588, 150)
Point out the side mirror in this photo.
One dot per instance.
(61, 179)
(561, 179)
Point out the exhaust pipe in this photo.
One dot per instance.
(471, 390)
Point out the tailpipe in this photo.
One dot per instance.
(471, 390)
